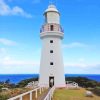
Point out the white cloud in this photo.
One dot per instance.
(81, 65)
(81, 60)
(19, 11)
(2, 50)
(7, 42)
(22, 66)
(7, 58)
(7, 61)
(75, 45)
(2, 53)
(7, 10)
(11, 66)
(82, 68)
(76, 64)
(19, 69)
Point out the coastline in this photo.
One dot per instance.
(15, 78)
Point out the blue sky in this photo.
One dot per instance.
(20, 44)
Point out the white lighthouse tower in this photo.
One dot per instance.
(51, 65)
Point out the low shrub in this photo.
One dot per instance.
(4, 97)
(96, 91)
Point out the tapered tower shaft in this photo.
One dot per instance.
(51, 64)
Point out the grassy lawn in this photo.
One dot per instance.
(65, 94)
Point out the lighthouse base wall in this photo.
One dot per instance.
(51, 64)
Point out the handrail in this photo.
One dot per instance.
(72, 84)
(50, 94)
(46, 28)
(29, 92)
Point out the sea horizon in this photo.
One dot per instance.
(15, 78)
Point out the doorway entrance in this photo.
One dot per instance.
(51, 81)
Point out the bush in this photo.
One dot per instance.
(96, 91)
(1, 86)
(23, 83)
(4, 97)
(84, 82)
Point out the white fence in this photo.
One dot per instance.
(71, 84)
(50, 94)
(20, 97)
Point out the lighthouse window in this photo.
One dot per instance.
(51, 63)
(51, 51)
(51, 41)
(51, 27)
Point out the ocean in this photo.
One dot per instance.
(15, 78)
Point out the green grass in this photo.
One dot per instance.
(66, 94)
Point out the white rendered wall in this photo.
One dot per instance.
(53, 17)
(56, 70)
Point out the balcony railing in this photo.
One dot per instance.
(51, 27)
